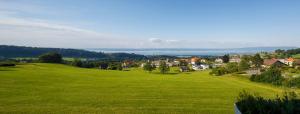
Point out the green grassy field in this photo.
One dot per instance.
(52, 88)
(296, 56)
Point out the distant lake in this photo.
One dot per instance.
(188, 52)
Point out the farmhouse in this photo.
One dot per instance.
(194, 60)
(200, 67)
(170, 64)
(219, 60)
(235, 59)
(273, 62)
(289, 61)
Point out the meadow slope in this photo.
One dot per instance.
(54, 88)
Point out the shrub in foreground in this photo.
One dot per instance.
(253, 104)
(7, 64)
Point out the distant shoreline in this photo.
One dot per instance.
(187, 52)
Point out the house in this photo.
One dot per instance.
(175, 63)
(194, 60)
(219, 60)
(184, 69)
(235, 59)
(200, 67)
(157, 63)
(273, 62)
(127, 64)
(289, 61)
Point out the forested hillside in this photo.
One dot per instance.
(21, 51)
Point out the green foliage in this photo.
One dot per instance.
(272, 75)
(293, 82)
(163, 67)
(115, 66)
(77, 62)
(51, 57)
(253, 104)
(244, 65)
(149, 67)
(218, 71)
(226, 58)
(257, 61)
(232, 67)
(229, 68)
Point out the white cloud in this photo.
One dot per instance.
(41, 33)
(155, 40)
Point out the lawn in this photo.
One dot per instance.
(53, 88)
(296, 56)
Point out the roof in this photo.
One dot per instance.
(297, 61)
(270, 62)
(195, 59)
(290, 59)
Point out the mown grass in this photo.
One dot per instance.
(296, 56)
(53, 88)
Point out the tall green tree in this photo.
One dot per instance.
(149, 67)
(245, 63)
(51, 57)
(226, 58)
(257, 61)
(163, 67)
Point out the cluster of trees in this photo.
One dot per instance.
(245, 64)
(7, 64)
(84, 64)
(108, 65)
(163, 67)
(253, 104)
(149, 66)
(272, 75)
(279, 53)
(288, 52)
(51, 57)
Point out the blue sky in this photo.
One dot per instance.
(150, 23)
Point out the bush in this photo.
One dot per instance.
(77, 62)
(294, 82)
(272, 75)
(254, 104)
(7, 64)
(218, 71)
(232, 67)
(115, 66)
